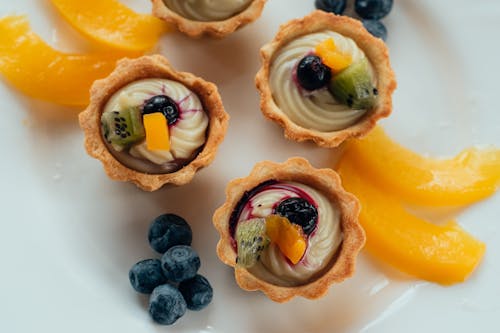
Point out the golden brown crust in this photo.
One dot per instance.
(156, 66)
(374, 49)
(325, 180)
(217, 29)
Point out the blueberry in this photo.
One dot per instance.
(333, 6)
(146, 275)
(197, 292)
(166, 304)
(299, 211)
(180, 263)
(312, 74)
(373, 9)
(376, 28)
(168, 230)
(163, 104)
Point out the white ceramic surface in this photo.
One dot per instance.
(68, 235)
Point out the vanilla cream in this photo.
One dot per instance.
(207, 10)
(316, 110)
(323, 242)
(187, 134)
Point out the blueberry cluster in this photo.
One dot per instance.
(172, 281)
(370, 11)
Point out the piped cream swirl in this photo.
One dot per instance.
(323, 243)
(207, 10)
(186, 135)
(316, 110)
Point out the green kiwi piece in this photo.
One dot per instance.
(354, 86)
(123, 128)
(251, 239)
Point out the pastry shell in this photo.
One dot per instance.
(374, 49)
(217, 29)
(328, 182)
(130, 70)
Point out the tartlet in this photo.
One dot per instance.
(209, 18)
(333, 240)
(315, 114)
(193, 124)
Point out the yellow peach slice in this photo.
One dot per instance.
(443, 254)
(288, 236)
(470, 176)
(111, 23)
(39, 71)
(156, 128)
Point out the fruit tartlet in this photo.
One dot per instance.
(152, 125)
(214, 18)
(289, 230)
(325, 78)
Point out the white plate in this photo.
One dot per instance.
(68, 235)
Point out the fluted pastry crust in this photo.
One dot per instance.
(325, 180)
(156, 66)
(216, 29)
(374, 49)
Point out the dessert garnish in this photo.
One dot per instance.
(470, 176)
(172, 281)
(69, 84)
(370, 11)
(112, 24)
(442, 253)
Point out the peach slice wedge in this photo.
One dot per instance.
(111, 23)
(445, 254)
(470, 176)
(39, 71)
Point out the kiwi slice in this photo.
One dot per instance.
(353, 86)
(251, 239)
(122, 128)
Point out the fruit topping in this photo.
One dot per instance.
(156, 128)
(312, 74)
(146, 275)
(162, 104)
(166, 304)
(111, 23)
(197, 292)
(180, 262)
(69, 84)
(376, 28)
(168, 230)
(331, 56)
(333, 6)
(373, 9)
(440, 253)
(288, 236)
(299, 211)
(354, 87)
(251, 239)
(122, 128)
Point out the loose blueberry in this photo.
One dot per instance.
(299, 211)
(373, 9)
(166, 304)
(163, 104)
(312, 74)
(168, 230)
(376, 28)
(146, 275)
(180, 263)
(197, 292)
(333, 6)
